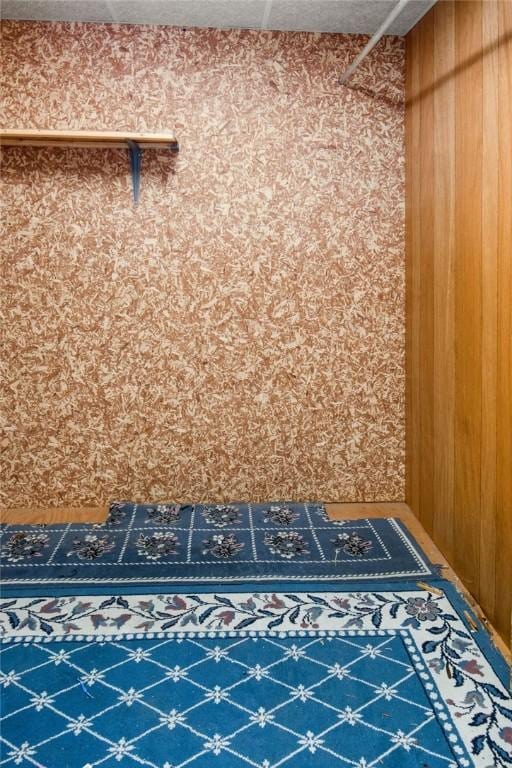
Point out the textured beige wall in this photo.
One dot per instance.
(239, 335)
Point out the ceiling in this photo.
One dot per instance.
(349, 16)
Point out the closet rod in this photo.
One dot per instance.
(372, 42)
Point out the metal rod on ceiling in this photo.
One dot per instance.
(372, 42)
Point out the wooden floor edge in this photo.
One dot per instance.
(95, 514)
(49, 515)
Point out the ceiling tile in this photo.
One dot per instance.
(349, 16)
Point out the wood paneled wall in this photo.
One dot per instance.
(459, 291)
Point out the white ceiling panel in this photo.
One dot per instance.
(349, 16)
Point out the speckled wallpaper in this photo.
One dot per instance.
(240, 334)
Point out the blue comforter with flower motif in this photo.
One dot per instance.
(163, 544)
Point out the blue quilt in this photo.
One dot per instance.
(142, 545)
(386, 676)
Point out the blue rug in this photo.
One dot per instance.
(383, 677)
(143, 545)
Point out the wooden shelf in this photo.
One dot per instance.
(136, 143)
(86, 139)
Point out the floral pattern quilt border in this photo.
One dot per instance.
(466, 690)
(168, 544)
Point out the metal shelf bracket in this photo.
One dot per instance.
(135, 166)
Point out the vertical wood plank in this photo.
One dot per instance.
(459, 211)
(504, 388)
(444, 274)
(427, 226)
(490, 168)
(413, 287)
(468, 299)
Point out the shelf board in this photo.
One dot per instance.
(135, 143)
(86, 139)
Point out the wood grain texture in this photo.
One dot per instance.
(51, 515)
(489, 369)
(413, 277)
(426, 244)
(444, 278)
(31, 137)
(504, 279)
(459, 381)
(468, 287)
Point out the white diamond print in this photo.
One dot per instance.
(262, 717)
(403, 740)
(121, 749)
(130, 696)
(177, 673)
(80, 724)
(41, 700)
(216, 744)
(217, 695)
(311, 741)
(173, 719)
(20, 753)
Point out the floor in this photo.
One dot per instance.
(336, 511)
